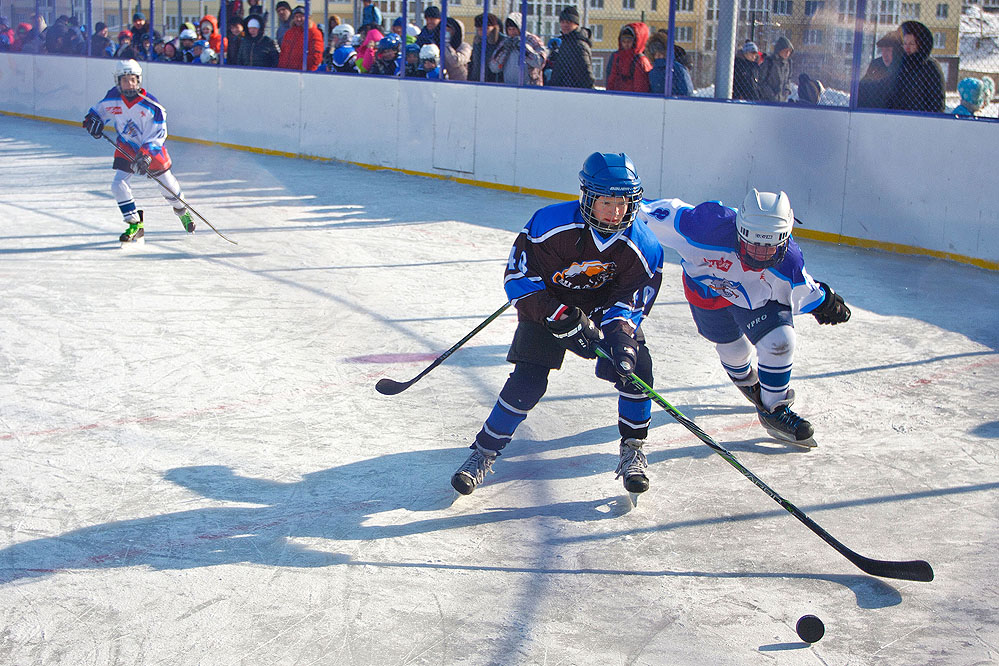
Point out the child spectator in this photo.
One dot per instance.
(628, 67)
(185, 52)
(209, 31)
(430, 55)
(975, 96)
(413, 61)
(387, 58)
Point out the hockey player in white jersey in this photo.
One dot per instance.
(140, 122)
(744, 277)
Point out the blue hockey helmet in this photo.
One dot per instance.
(390, 42)
(414, 49)
(609, 175)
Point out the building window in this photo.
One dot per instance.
(814, 6)
(812, 37)
(847, 10)
(597, 32)
(685, 6)
(598, 68)
(684, 33)
(887, 12)
(711, 14)
(627, 4)
(939, 40)
(783, 7)
(910, 11)
(942, 11)
(598, 4)
(844, 40)
(710, 43)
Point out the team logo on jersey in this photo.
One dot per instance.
(723, 287)
(114, 110)
(587, 275)
(131, 129)
(660, 213)
(721, 264)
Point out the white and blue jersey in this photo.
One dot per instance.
(558, 260)
(714, 277)
(140, 123)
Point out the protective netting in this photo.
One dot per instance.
(936, 57)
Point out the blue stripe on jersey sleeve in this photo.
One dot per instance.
(790, 270)
(553, 219)
(519, 287)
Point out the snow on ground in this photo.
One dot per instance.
(197, 469)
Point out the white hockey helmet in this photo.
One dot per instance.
(342, 34)
(764, 222)
(187, 33)
(123, 67)
(430, 52)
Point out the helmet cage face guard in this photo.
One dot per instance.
(124, 68)
(588, 196)
(764, 224)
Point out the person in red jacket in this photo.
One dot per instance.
(291, 44)
(209, 31)
(629, 67)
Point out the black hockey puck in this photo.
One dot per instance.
(810, 628)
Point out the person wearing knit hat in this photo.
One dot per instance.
(975, 95)
(574, 66)
(283, 11)
(746, 73)
(872, 92)
(430, 34)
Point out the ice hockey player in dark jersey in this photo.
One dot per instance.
(140, 122)
(744, 277)
(579, 272)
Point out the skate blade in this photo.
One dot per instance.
(634, 498)
(804, 443)
(133, 244)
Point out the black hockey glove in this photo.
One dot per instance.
(833, 309)
(623, 350)
(93, 124)
(576, 333)
(141, 163)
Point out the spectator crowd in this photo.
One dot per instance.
(904, 77)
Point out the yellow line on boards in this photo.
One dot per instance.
(823, 236)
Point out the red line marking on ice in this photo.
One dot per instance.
(394, 358)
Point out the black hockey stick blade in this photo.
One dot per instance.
(387, 386)
(917, 570)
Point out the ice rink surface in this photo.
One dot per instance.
(198, 470)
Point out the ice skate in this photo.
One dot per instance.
(750, 387)
(134, 234)
(474, 471)
(632, 467)
(785, 425)
(187, 221)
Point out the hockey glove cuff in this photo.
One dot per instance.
(575, 332)
(833, 309)
(93, 124)
(623, 350)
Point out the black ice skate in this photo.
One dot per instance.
(750, 387)
(632, 466)
(474, 471)
(134, 233)
(785, 425)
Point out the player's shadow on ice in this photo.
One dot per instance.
(310, 522)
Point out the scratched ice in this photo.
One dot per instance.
(197, 469)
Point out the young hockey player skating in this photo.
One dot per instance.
(140, 122)
(579, 273)
(744, 277)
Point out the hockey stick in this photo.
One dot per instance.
(172, 193)
(387, 386)
(918, 570)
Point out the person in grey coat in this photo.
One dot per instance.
(775, 72)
